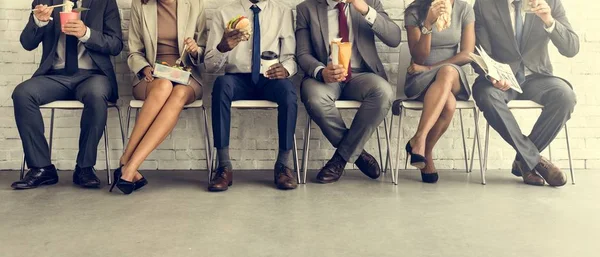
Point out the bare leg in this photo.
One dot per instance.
(437, 131)
(446, 81)
(159, 130)
(157, 93)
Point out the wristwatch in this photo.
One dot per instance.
(424, 30)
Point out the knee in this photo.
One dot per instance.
(180, 94)
(96, 99)
(447, 75)
(21, 95)
(565, 99)
(222, 87)
(317, 105)
(486, 96)
(384, 95)
(288, 94)
(449, 109)
(161, 88)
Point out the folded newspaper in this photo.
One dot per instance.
(494, 69)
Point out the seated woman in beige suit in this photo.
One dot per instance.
(160, 31)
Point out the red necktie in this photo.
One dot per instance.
(343, 31)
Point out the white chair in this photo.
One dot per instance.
(261, 104)
(401, 105)
(76, 105)
(137, 105)
(342, 105)
(528, 105)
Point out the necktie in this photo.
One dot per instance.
(71, 52)
(256, 45)
(344, 32)
(519, 36)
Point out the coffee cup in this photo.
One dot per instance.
(268, 59)
(67, 16)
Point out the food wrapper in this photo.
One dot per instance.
(176, 74)
(443, 22)
(341, 52)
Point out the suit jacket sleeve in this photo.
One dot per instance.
(482, 36)
(304, 47)
(386, 30)
(32, 35)
(563, 36)
(137, 52)
(200, 37)
(109, 41)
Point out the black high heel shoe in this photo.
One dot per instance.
(126, 187)
(429, 177)
(138, 184)
(416, 160)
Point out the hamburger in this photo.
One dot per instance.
(240, 22)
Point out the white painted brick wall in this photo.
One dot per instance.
(253, 138)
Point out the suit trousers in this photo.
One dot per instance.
(239, 86)
(89, 87)
(555, 94)
(373, 91)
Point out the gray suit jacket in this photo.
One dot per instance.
(495, 34)
(312, 35)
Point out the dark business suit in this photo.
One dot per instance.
(93, 87)
(495, 33)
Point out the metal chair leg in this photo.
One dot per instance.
(128, 122)
(296, 164)
(121, 126)
(106, 152)
(51, 133)
(389, 136)
(379, 146)
(387, 143)
(207, 148)
(22, 168)
(462, 130)
(305, 153)
(569, 153)
(481, 169)
(475, 140)
(395, 180)
(486, 147)
(550, 152)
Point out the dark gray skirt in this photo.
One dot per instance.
(417, 84)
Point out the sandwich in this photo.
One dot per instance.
(240, 22)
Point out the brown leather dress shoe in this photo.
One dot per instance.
(283, 177)
(551, 173)
(368, 165)
(222, 180)
(529, 177)
(332, 171)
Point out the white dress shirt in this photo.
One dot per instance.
(511, 8)
(334, 29)
(276, 35)
(85, 62)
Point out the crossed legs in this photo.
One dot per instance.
(157, 118)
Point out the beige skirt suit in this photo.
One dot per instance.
(156, 34)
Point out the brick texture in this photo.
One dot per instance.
(254, 134)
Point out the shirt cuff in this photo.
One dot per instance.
(371, 15)
(316, 72)
(40, 23)
(86, 36)
(551, 28)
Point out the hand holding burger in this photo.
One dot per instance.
(237, 30)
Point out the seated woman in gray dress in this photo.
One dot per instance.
(435, 76)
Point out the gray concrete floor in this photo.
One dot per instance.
(175, 216)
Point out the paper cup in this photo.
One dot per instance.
(267, 59)
(67, 16)
(345, 54)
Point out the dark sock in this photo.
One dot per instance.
(223, 155)
(284, 157)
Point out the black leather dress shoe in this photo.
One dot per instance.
(36, 177)
(368, 165)
(86, 177)
(332, 171)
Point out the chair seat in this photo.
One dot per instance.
(418, 105)
(524, 104)
(253, 104)
(347, 104)
(72, 104)
(136, 104)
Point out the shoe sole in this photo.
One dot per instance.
(418, 165)
(44, 183)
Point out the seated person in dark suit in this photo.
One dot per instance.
(75, 65)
